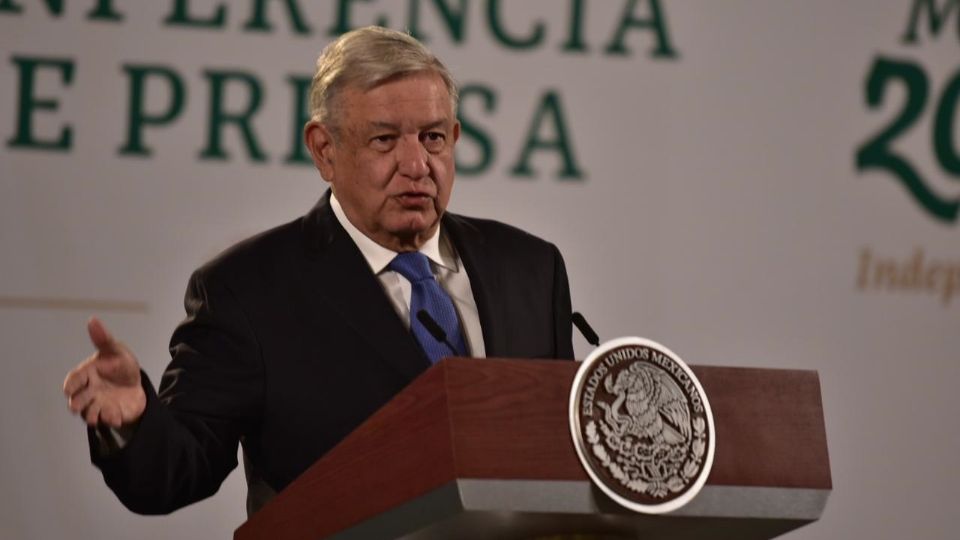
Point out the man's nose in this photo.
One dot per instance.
(412, 158)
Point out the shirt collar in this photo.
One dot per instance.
(437, 248)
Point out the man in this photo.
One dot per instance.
(294, 337)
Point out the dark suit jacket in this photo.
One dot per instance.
(290, 343)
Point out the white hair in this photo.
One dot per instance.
(366, 58)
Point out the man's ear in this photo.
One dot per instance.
(319, 143)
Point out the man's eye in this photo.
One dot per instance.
(434, 139)
(382, 142)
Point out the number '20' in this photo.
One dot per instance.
(876, 152)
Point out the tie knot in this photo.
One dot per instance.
(412, 265)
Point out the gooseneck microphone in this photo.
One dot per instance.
(433, 327)
(585, 329)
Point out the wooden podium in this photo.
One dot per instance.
(481, 449)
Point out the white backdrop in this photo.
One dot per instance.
(720, 211)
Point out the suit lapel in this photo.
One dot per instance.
(484, 279)
(342, 280)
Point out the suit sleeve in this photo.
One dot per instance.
(563, 325)
(210, 396)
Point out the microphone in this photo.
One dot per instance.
(585, 329)
(433, 327)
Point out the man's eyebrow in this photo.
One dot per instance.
(434, 124)
(375, 124)
(384, 125)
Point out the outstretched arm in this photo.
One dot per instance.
(105, 388)
(179, 444)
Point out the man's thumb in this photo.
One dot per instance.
(99, 336)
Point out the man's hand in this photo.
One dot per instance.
(105, 388)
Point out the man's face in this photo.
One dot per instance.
(391, 160)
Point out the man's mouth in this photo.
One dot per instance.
(414, 198)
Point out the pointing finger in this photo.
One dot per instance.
(99, 336)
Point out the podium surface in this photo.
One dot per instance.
(481, 448)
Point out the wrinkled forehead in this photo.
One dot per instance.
(420, 98)
(351, 91)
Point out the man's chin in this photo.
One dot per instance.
(417, 221)
(415, 229)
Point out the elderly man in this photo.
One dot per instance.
(294, 337)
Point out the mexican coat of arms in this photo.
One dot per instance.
(642, 425)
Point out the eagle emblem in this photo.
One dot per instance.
(642, 423)
(656, 409)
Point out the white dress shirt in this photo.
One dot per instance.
(445, 265)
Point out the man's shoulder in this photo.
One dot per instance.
(491, 230)
(272, 248)
(276, 250)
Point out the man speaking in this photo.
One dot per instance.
(294, 337)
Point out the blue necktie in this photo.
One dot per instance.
(427, 294)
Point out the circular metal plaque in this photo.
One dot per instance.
(642, 425)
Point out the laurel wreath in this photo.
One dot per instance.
(656, 488)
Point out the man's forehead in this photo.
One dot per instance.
(385, 106)
(430, 76)
(420, 84)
